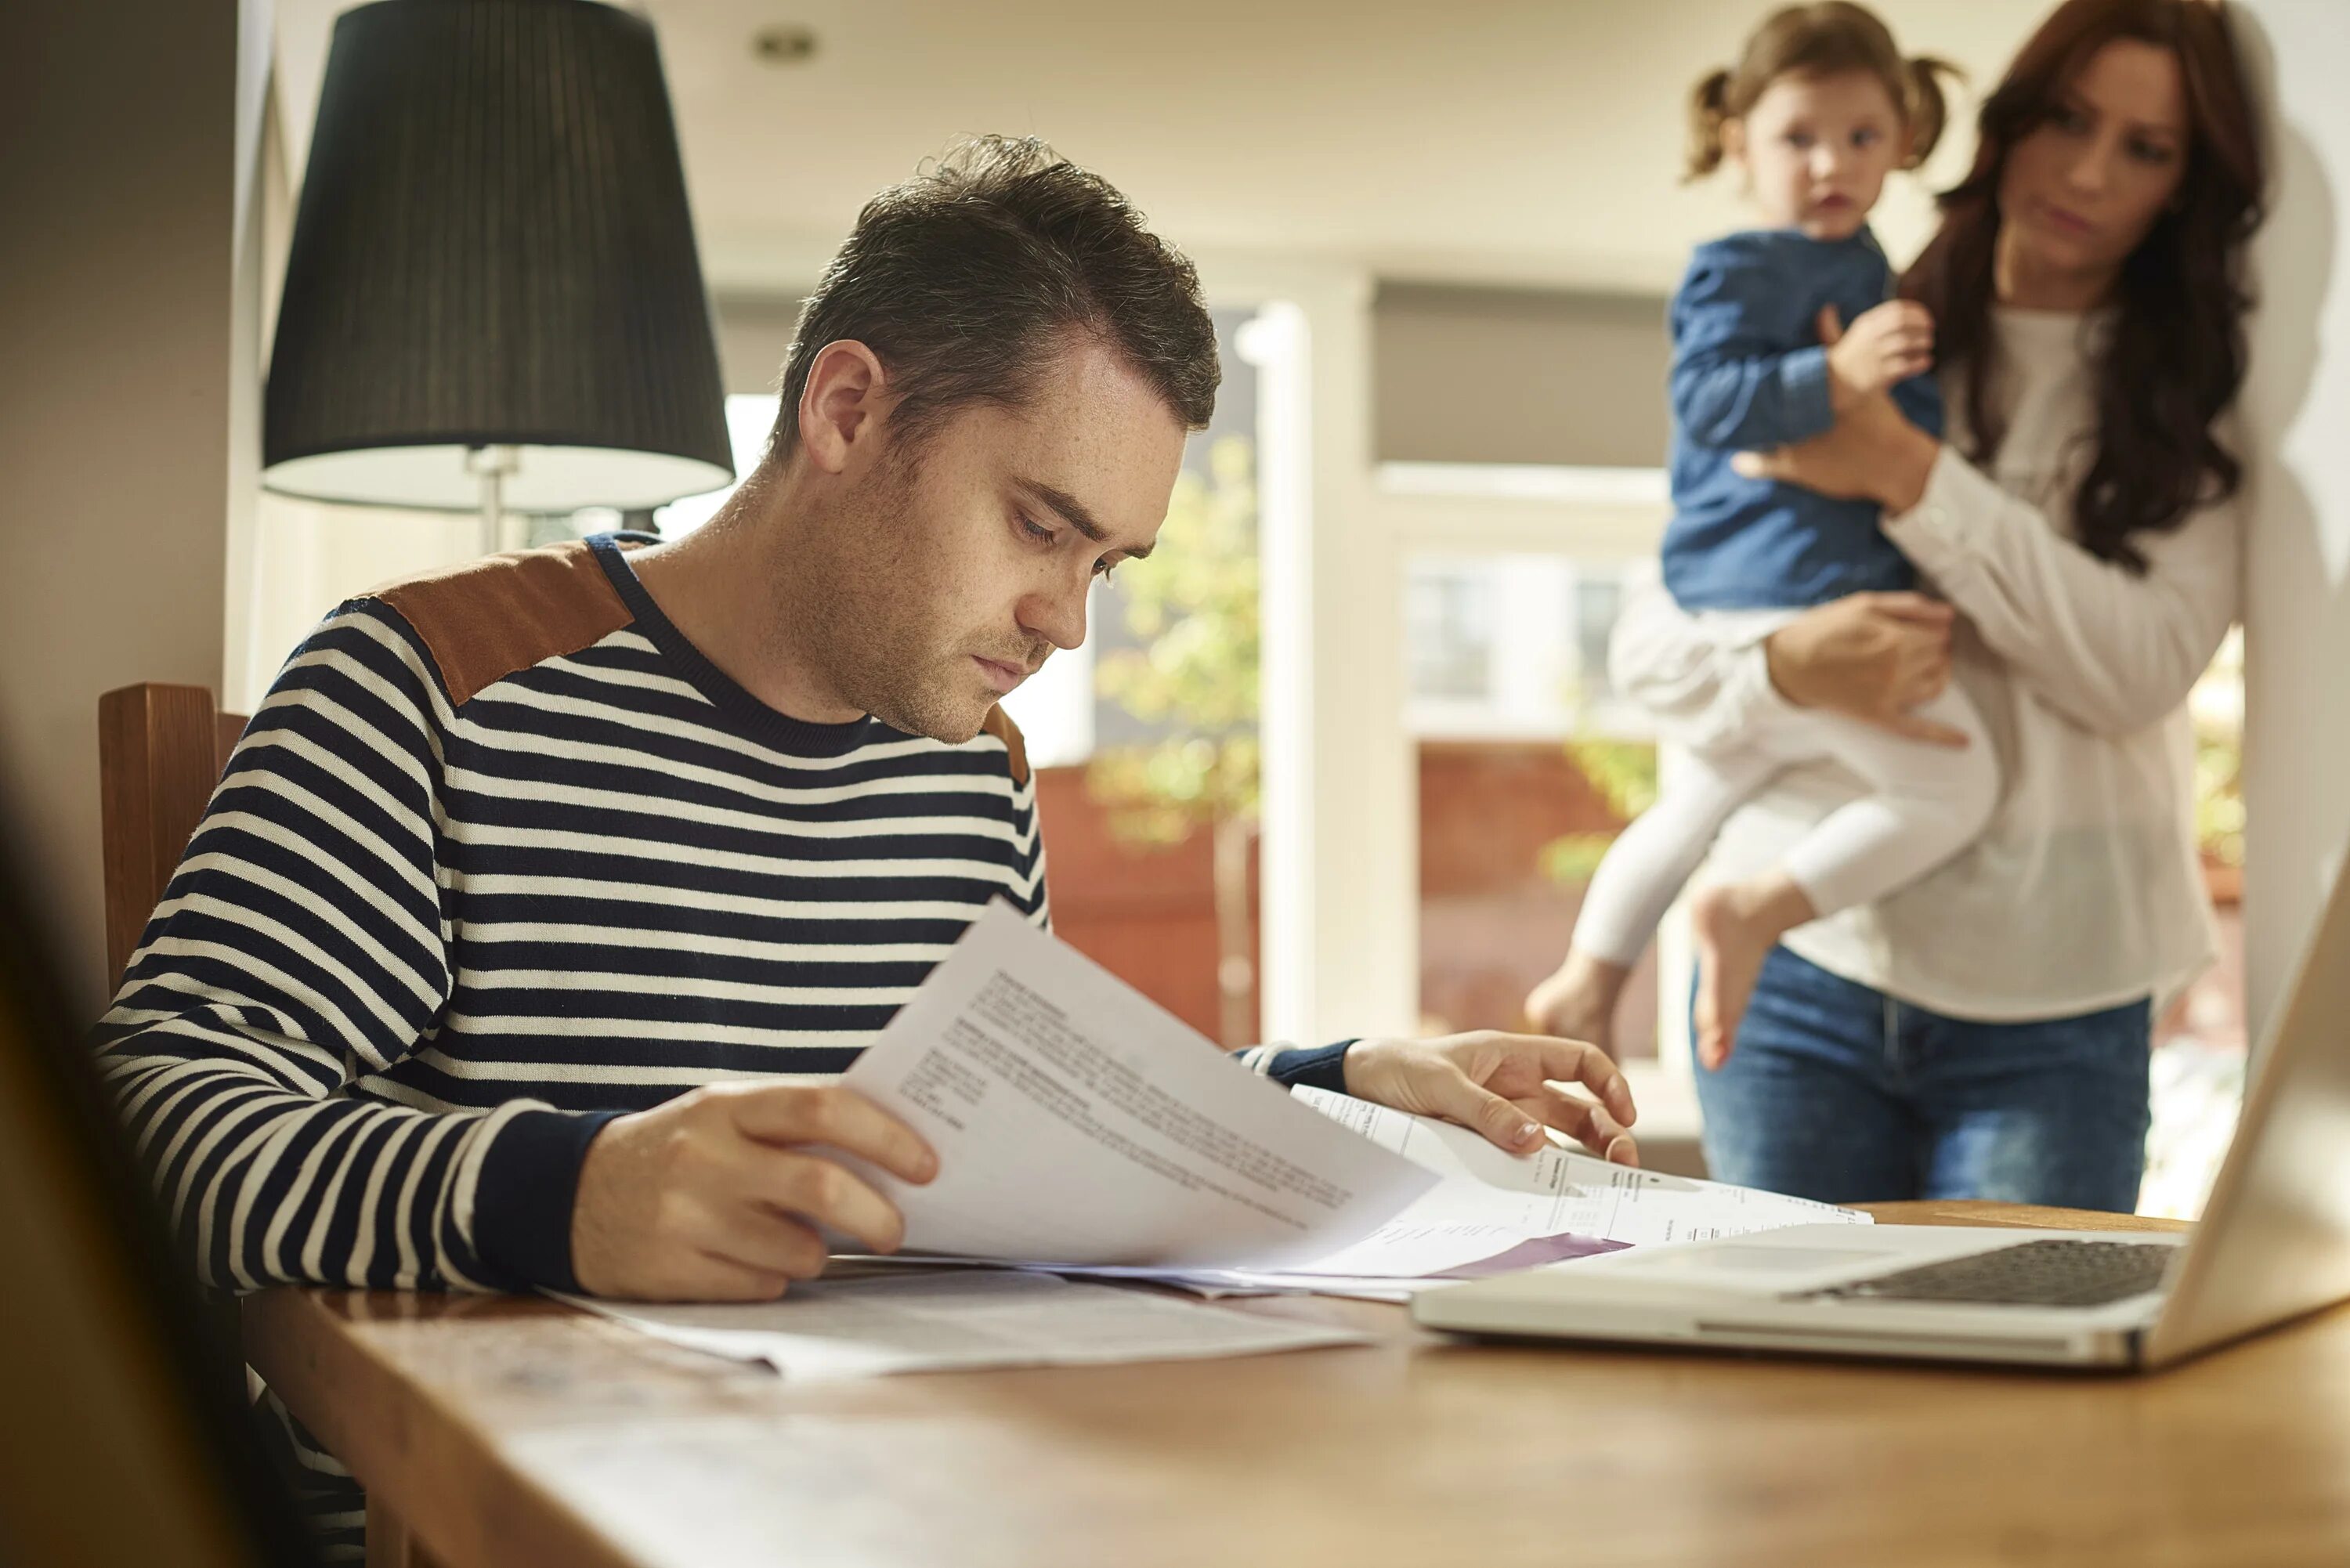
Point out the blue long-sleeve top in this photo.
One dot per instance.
(1749, 373)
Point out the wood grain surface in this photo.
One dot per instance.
(509, 1431)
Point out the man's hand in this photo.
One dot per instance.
(1886, 344)
(1502, 1085)
(1871, 656)
(716, 1196)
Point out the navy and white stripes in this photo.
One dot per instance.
(502, 855)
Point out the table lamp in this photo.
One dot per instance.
(493, 299)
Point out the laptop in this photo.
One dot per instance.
(2274, 1245)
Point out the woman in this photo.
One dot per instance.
(1984, 1032)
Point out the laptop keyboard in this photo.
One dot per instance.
(2030, 1273)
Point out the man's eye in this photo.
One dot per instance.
(1864, 138)
(1799, 139)
(1028, 525)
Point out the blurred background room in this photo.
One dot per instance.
(1340, 759)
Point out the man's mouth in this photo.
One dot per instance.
(1001, 674)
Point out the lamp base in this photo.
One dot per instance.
(493, 465)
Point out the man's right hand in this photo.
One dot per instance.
(1871, 656)
(718, 1194)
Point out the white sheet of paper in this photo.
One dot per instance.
(1077, 1122)
(1554, 1192)
(963, 1319)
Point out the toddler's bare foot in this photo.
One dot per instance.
(1574, 1002)
(1735, 928)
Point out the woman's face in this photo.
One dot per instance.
(2083, 189)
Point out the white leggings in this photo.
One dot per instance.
(1929, 803)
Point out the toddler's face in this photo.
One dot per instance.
(1817, 150)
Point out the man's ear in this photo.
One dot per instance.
(1733, 141)
(842, 407)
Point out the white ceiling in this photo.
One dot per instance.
(1486, 141)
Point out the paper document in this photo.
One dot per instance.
(963, 1319)
(1077, 1123)
(1490, 1212)
(1484, 1190)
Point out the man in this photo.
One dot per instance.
(542, 895)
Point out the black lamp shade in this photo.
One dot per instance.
(493, 249)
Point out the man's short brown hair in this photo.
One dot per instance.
(964, 280)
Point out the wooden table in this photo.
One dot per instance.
(512, 1432)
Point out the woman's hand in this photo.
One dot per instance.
(1502, 1085)
(1871, 656)
(1870, 453)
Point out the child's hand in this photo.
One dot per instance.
(1890, 343)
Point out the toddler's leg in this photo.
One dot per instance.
(1929, 803)
(1637, 880)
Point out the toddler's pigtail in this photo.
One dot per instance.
(1709, 107)
(1929, 108)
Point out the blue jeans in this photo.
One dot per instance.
(1838, 1092)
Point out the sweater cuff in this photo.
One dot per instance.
(1937, 534)
(522, 1208)
(1316, 1066)
(1804, 384)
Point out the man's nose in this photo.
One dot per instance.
(1057, 615)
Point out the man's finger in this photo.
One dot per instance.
(1454, 1095)
(841, 1118)
(763, 1236)
(710, 1275)
(833, 1196)
(1587, 1123)
(1576, 1062)
(1831, 325)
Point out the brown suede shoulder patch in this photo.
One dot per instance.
(484, 619)
(999, 724)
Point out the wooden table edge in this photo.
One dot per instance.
(415, 1455)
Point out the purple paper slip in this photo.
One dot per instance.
(1532, 1254)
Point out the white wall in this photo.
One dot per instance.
(1487, 375)
(126, 276)
(2296, 414)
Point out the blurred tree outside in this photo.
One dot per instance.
(1194, 604)
(1625, 775)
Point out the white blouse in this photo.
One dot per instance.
(2085, 892)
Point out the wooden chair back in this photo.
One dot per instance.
(161, 750)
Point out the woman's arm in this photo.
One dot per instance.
(2111, 650)
(1872, 657)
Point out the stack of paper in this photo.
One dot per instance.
(962, 1321)
(1075, 1122)
(1080, 1129)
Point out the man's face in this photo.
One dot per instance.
(949, 572)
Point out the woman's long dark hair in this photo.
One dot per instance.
(2174, 357)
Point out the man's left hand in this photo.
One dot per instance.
(1506, 1086)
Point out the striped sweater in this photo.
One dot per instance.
(502, 856)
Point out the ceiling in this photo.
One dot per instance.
(1483, 141)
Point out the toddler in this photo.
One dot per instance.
(1773, 331)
